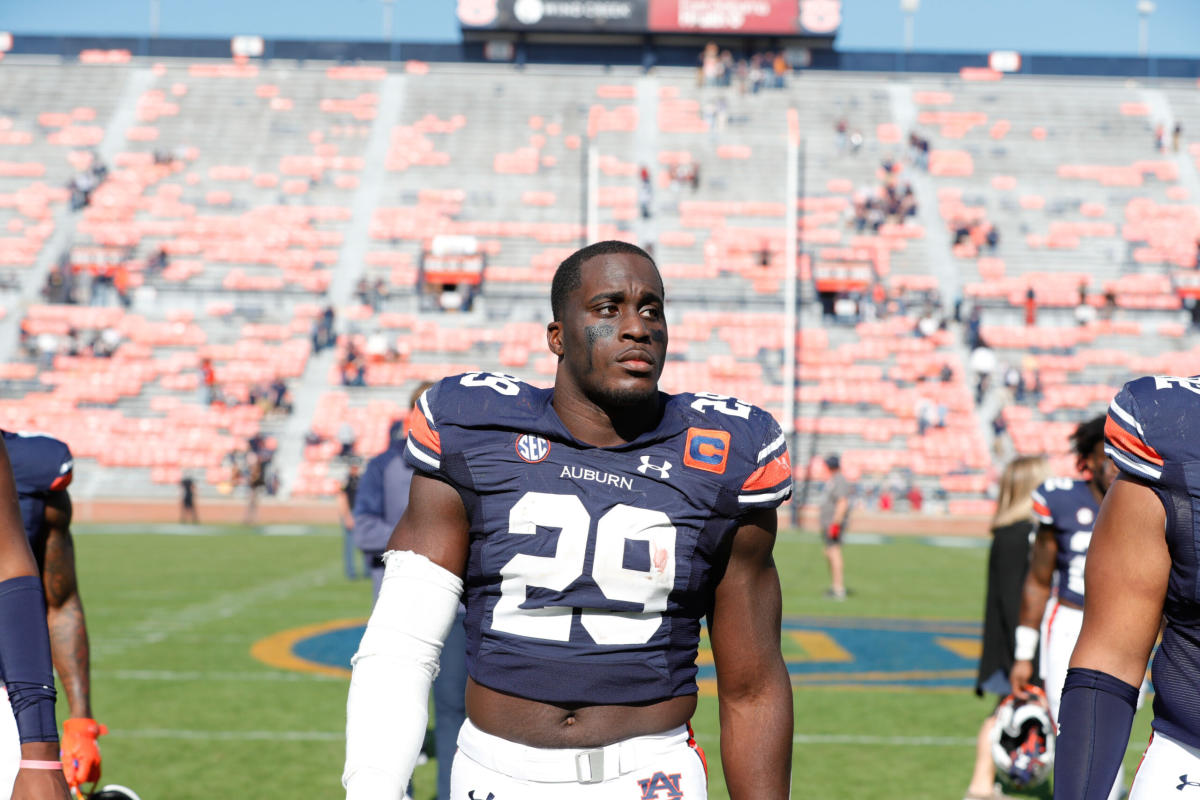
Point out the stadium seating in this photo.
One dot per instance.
(275, 189)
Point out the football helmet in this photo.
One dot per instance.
(1023, 739)
(114, 791)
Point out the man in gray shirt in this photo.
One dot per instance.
(834, 511)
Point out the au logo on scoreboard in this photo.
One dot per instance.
(844, 652)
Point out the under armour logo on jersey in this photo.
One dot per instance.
(661, 781)
(664, 471)
(532, 448)
(1183, 781)
(471, 794)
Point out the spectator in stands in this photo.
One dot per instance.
(379, 293)
(710, 65)
(856, 141)
(915, 497)
(281, 398)
(780, 67)
(1012, 526)
(362, 290)
(352, 368)
(1030, 306)
(983, 363)
(1109, 309)
(1176, 135)
(1193, 307)
(187, 502)
(208, 379)
(974, 322)
(347, 437)
(158, 262)
(345, 507)
(1160, 137)
(256, 482)
(832, 517)
(924, 414)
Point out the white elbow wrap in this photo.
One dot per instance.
(1026, 643)
(397, 660)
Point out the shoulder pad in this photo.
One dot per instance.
(1151, 422)
(725, 435)
(468, 400)
(40, 463)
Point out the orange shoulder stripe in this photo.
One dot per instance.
(427, 437)
(1130, 443)
(771, 474)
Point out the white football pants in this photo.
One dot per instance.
(663, 766)
(1168, 768)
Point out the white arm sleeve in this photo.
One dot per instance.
(397, 660)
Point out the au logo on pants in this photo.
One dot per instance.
(661, 782)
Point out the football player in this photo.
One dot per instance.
(29, 765)
(593, 526)
(1141, 571)
(1065, 510)
(42, 467)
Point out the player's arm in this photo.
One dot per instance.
(1128, 566)
(388, 706)
(69, 643)
(753, 689)
(25, 653)
(64, 609)
(1034, 594)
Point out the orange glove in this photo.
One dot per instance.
(80, 753)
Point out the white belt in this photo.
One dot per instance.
(565, 764)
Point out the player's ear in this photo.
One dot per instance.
(554, 333)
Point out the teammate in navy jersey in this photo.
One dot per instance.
(1142, 571)
(1052, 597)
(29, 768)
(593, 526)
(42, 468)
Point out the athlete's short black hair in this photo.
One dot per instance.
(567, 277)
(1087, 436)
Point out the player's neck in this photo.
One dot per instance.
(596, 425)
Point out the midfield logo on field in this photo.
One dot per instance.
(660, 782)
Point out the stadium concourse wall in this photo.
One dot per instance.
(646, 54)
(315, 512)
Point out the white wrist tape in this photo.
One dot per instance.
(1026, 644)
(388, 705)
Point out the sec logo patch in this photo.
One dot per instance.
(706, 449)
(532, 448)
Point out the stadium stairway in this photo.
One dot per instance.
(350, 267)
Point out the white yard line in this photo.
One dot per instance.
(160, 625)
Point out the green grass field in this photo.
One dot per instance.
(173, 620)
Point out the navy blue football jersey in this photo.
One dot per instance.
(1069, 507)
(41, 464)
(1151, 434)
(595, 563)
